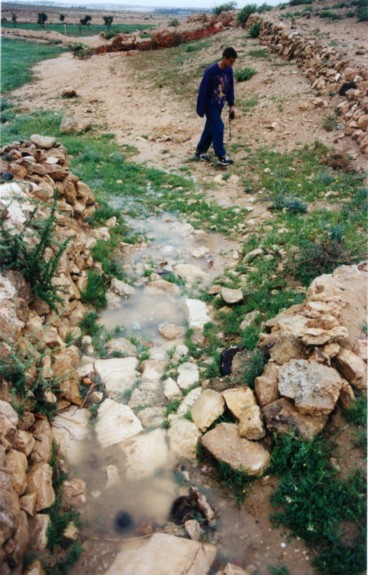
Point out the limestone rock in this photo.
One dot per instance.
(266, 385)
(9, 513)
(115, 423)
(145, 454)
(117, 374)
(188, 375)
(190, 273)
(315, 388)
(122, 288)
(285, 348)
(164, 286)
(188, 401)
(352, 367)
(171, 331)
(16, 465)
(250, 319)
(45, 142)
(9, 412)
(231, 296)
(38, 528)
(208, 407)
(225, 444)
(196, 313)
(43, 445)
(282, 417)
(171, 389)
(40, 482)
(70, 125)
(35, 569)
(238, 399)
(250, 424)
(123, 346)
(153, 370)
(183, 438)
(168, 554)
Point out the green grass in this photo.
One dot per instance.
(316, 504)
(17, 59)
(243, 74)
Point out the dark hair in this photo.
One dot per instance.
(229, 53)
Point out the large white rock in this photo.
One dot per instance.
(16, 202)
(165, 555)
(115, 423)
(123, 346)
(153, 370)
(231, 296)
(117, 374)
(196, 313)
(207, 408)
(188, 375)
(188, 401)
(70, 428)
(315, 388)
(145, 454)
(238, 399)
(183, 436)
(225, 444)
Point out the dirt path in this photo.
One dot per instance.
(122, 96)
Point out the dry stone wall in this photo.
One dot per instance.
(327, 70)
(35, 335)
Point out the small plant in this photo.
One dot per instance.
(89, 325)
(276, 570)
(253, 368)
(27, 252)
(329, 123)
(234, 479)
(292, 205)
(244, 74)
(254, 30)
(174, 22)
(172, 406)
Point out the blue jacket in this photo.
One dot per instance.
(216, 87)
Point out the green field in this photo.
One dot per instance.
(17, 59)
(77, 30)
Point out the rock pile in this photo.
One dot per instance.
(32, 337)
(327, 70)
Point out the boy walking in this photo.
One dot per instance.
(216, 88)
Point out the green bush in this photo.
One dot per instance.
(95, 292)
(245, 12)
(224, 8)
(254, 30)
(298, 2)
(362, 14)
(244, 74)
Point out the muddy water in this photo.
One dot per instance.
(119, 509)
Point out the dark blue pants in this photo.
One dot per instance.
(213, 133)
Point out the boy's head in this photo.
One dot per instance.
(229, 56)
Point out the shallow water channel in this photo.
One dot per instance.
(125, 500)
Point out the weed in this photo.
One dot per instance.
(259, 53)
(172, 406)
(314, 502)
(27, 252)
(278, 570)
(329, 123)
(291, 204)
(95, 292)
(89, 325)
(245, 12)
(235, 480)
(243, 74)
(357, 412)
(253, 368)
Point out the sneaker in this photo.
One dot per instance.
(225, 161)
(203, 157)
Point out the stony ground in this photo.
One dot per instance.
(131, 97)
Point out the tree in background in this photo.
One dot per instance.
(108, 21)
(224, 8)
(61, 17)
(14, 19)
(42, 19)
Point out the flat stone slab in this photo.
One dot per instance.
(196, 313)
(70, 428)
(225, 444)
(315, 388)
(238, 399)
(145, 454)
(165, 555)
(283, 417)
(115, 423)
(117, 374)
(188, 375)
(183, 437)
(231, 296)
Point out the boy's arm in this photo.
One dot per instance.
(202, 94)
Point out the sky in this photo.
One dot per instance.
(198, 4)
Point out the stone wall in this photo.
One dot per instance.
(326, 69)
(33, 336)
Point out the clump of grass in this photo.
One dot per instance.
(314, 501)
(172, 406)
(278, 570)
(95, 292)
(253, 368)
(293, 205)
(243, 74)
(89, 325)
(259, 53)
(245, 12)
(357, 412)
(329, 123)
(235, 480)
